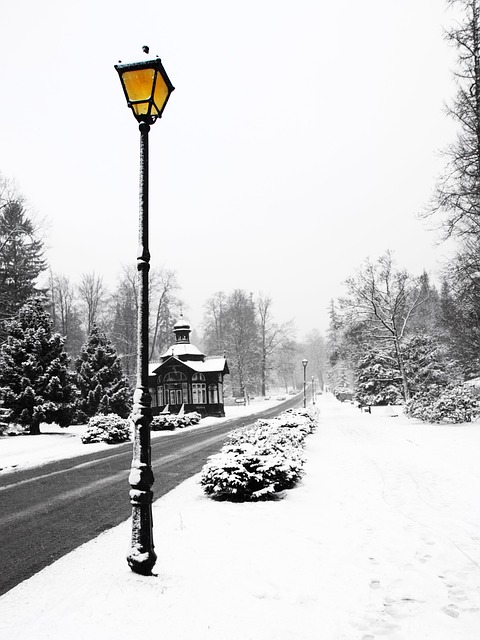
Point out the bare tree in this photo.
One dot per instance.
(457, 194)
(124, 314)
(64, 312)
(92, 293)
(163, 287)
(214, 323)
(382, 300)
(231, 324)
(242, 336)
(64, 301)
(316, 355)
(164, 308)
(272, 336)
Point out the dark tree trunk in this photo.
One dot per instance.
(35, 428)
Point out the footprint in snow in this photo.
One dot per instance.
(451, 610)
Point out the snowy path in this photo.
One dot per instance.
(400, 509)
(380, 540)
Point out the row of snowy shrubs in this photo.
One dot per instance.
(258, 461)
(169, 422)
(454, 404)
(113, 430)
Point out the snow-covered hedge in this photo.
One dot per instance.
(107, 428)
(258, 461)
(167, 422)
(444, 404)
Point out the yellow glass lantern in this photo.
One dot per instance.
(146, 87)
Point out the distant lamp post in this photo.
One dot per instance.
(147, 89)
(304, 362)
(313, 390)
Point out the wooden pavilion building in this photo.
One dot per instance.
(187, 378)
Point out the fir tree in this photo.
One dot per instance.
(21, 258)
(100, 379)
(377, 379)
(427, 363)
(35, 382)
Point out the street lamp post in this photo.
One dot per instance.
(147, 89)
(313, 390)
(304, 362)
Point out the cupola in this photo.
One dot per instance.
(182, 331)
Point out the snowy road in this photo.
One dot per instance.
(58, 506)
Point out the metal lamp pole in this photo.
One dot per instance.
(141, 556)
(304, 362)
(313, 390)
(147, 89)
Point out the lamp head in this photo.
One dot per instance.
(147, 88)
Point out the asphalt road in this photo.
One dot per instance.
(47, 511)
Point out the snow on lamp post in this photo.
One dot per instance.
(147, 90)
(304, 362)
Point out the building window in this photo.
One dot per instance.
(212, 393)
(198, 377)
(199, 393)
(153, 393)
(174, 389)
(174, 394)
(175, 376)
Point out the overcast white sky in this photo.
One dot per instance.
(302, 137)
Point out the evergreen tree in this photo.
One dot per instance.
(100, 379)
(377, 379)
(426, 318)
(21, 258)
(460, 313)
(35, 381)
(426, 363)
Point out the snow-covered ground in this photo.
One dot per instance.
(380, 539)
(56, 443)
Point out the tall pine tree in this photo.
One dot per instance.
(377, 380)
(35, 381)
(100, 379)
(21, 258)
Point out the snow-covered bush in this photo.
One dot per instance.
(258, 461)
(168, 422)
(191, 418)
(454, 404)
(162, 422)
(107, 428)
